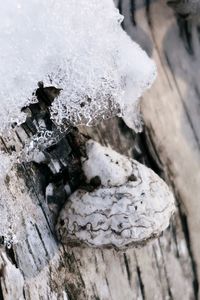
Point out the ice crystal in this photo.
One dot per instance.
(76, 46)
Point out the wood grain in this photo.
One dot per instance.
(169, 267)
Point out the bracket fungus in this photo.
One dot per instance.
(131, 206)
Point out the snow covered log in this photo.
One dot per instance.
(40, 267)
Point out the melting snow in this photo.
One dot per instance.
(77, 46)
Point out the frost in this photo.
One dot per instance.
(6, 162)
(44, 139)
(8, 240)
(76, 46)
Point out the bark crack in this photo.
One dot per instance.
(141, 284)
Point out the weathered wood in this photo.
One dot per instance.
(38, 267)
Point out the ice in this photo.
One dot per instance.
(78, 47)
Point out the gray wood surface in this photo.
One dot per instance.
(39, 267)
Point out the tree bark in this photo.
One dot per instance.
(40, 267)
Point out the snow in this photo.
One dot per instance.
(78, 47)
(111, 167)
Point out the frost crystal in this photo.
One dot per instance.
(76, 46)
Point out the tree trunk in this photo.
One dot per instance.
(40, 267)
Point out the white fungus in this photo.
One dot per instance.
(132, 205)
(78, 47)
